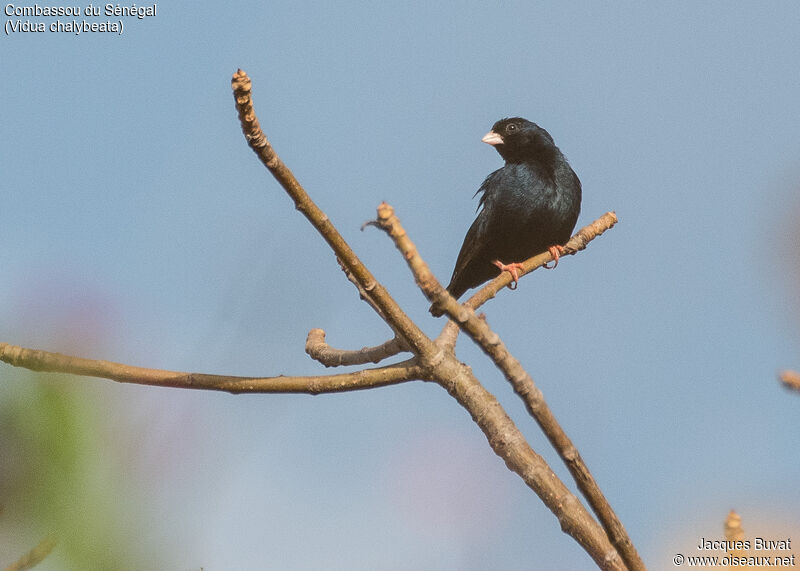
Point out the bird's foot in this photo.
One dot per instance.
(556, 252)
(513, 269)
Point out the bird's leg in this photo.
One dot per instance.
(513, 269)
(556, 252)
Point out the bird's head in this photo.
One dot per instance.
(518, 139)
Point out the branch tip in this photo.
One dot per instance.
(790, 380)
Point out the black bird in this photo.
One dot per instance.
(528, 206)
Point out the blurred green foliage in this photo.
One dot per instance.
(61, 476)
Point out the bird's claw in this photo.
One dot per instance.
(556, 252)
(513, 269)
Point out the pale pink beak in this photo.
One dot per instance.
(492, 138)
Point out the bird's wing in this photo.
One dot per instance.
(471, 250)
(472, 267)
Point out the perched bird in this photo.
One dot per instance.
(528, 206)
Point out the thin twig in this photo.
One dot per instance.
(575, 244)
(733, 527)
(33, 557)
(329, 356)
(578, 242)
(790, 380)
(520, 380)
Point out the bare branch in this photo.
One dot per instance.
(320, 351)
(504, 437)
(733, 527)
(790, 379)
(396, 317)
(575, 244)
(512, 369)
(508, 442)
(33, 557)
(46, 361)
(578, 242)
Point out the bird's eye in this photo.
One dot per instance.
(511, 128)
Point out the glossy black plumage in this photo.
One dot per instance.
(527, 206)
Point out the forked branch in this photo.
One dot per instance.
(405, 328)
(479, 331)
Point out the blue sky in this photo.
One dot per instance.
(138, 227)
